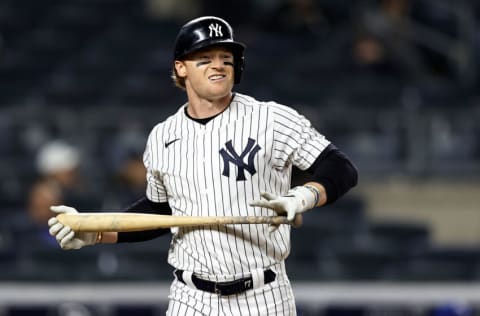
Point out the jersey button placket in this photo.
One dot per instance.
(201, 156)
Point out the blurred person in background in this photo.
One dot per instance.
(368, 53)
(127, 184)
(127, 173)
(59, 181)
(380, 42)
(295, 17)
(400, 32)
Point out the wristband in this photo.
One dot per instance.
(315, 192)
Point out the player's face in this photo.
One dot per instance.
(208, 73)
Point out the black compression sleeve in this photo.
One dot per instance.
(146, 206)
(334, 170)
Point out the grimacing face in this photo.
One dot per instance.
(208, 73)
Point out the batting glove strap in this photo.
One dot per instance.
(307, 195)
(315, 192)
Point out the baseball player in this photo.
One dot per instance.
(225, 153)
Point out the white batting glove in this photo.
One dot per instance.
(66, 237)
(297, 200)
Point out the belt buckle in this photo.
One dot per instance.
(216, 289)
(225, 288)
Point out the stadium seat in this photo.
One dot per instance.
(36, 310)
(448, 264)
(405, 237)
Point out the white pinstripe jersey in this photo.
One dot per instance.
(216, 169)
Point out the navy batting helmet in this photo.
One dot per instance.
(209, 31)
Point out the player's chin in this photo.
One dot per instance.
(217, 96)
(224, 83)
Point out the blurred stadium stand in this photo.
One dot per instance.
(86, 70)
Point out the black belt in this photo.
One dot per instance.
(226, 288)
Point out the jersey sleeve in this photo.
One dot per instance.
(156, 191)
(296, 141)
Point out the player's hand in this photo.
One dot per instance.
(296, 201)
(66, 237)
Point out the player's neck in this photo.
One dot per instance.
(203, 108)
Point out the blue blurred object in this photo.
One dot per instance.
(452, 309)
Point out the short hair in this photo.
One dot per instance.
(177, 80)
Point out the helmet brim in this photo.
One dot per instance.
(237, 48)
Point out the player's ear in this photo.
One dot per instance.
(180, 68)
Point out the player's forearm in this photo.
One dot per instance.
(112, 237)
(144, 205)
(109, 238)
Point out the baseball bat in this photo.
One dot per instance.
(126, 222)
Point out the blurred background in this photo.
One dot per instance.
(393, 83)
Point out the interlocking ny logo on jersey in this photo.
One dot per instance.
(232, 157)
(215, 28)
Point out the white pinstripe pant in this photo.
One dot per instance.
(275, 298)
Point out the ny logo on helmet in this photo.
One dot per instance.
(232, 157)
(215, 28)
